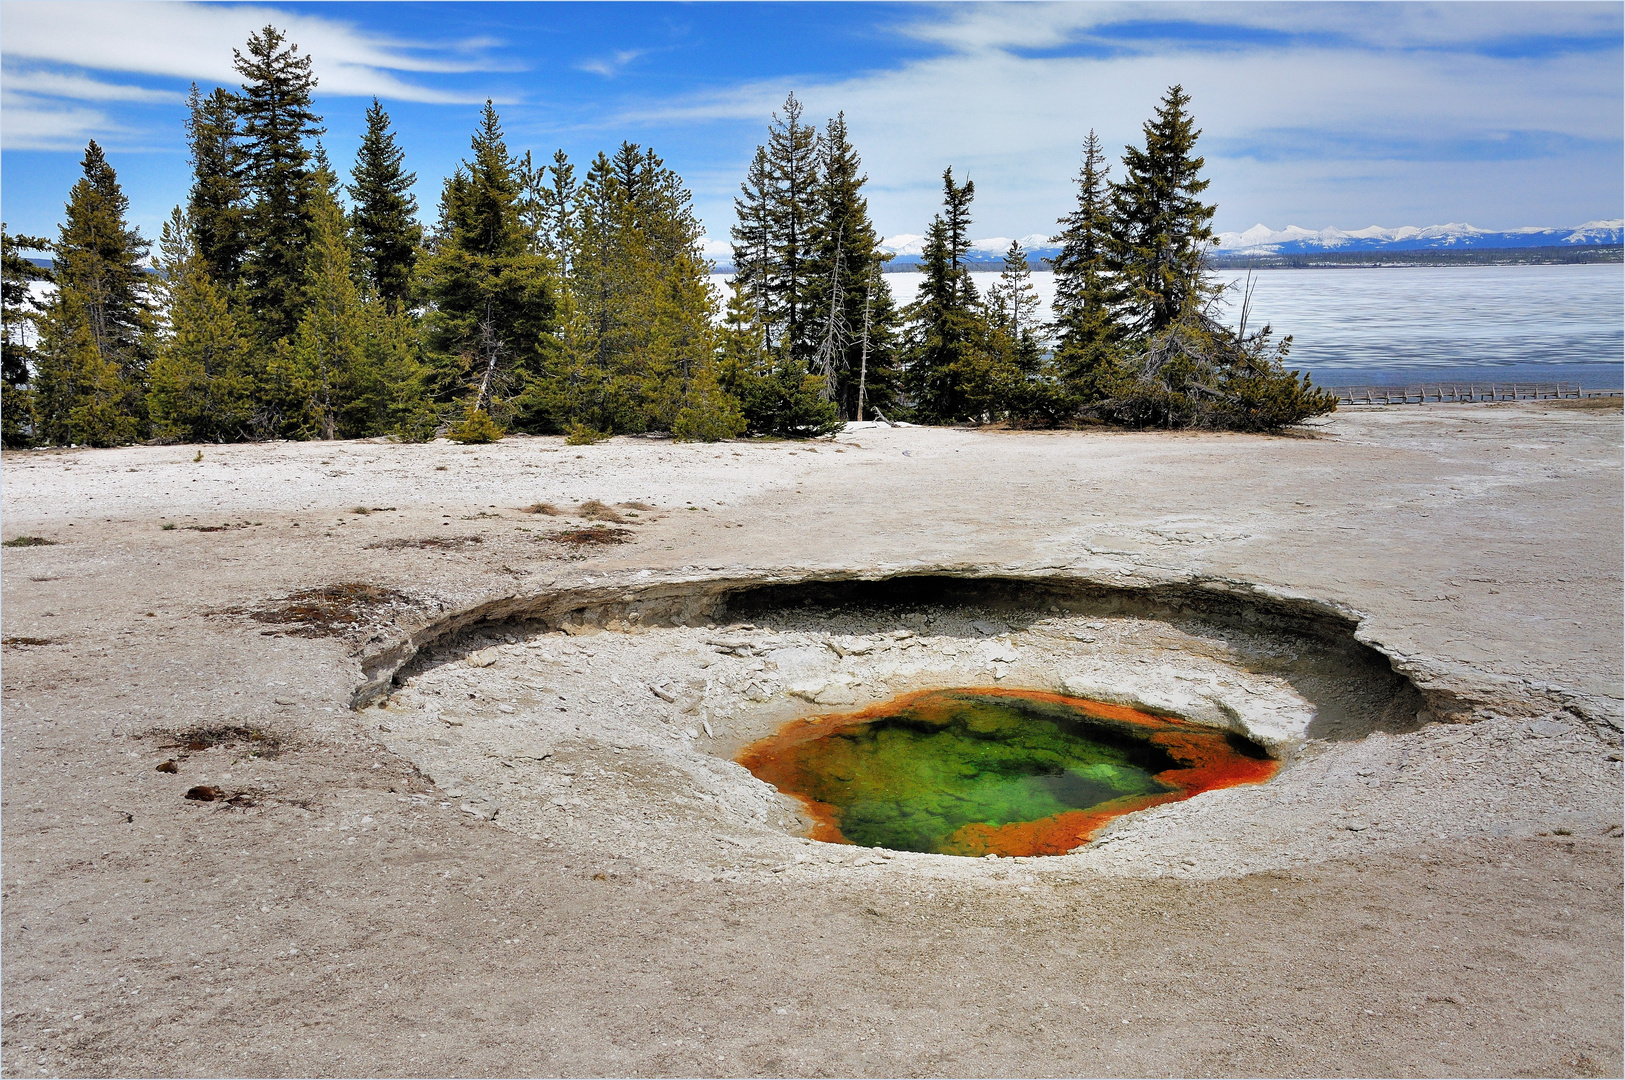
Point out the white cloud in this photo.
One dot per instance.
(974, 28)
(78, 87)
(1014, 123)
(33, 124)
(195, 41)
(612, 65)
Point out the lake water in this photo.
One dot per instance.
(1406, 324)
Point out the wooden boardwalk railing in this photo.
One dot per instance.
(1419, 393)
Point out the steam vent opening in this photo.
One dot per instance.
(988, 771)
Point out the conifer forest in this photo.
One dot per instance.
(283, 301)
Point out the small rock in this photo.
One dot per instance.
(205, 793)
(170, 766)
(483, 658)
(506, 709)
(1547, 729)
(835, 694)
(988, 629)
(663, 694)
(706, 724)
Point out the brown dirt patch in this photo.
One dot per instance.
(326, 611)
(592, 535)
(442, 542)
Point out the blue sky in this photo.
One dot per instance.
(1500, 115)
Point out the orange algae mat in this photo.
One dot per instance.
(984, 771)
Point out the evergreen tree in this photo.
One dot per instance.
(18, 311)
(493, 308)
(276, 114)
(792, 158)
(328, 347)
(1180, 366)
(215, 202)
(1022, 378)
(945, 359)
(1085, 298)
(851, 312)
(97, 334)
(640, 336)
(1160, 227)
(776, 395)
(752, 244)
(1013, 300)
(385, 216)
(202, 381)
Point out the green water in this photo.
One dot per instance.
(908, 781)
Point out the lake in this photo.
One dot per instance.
(1391, 325)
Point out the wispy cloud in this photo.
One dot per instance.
(78, 87)
(195, 41)
(34, 124)
(1015, 87)
(612, 65)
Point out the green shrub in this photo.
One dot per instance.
(579, 434)
(477, 427)
(709, 415)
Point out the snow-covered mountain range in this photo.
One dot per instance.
(906, 249)
(1262, 239)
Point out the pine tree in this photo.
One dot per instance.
(18, 312)
(776, 395)
(792, 156)
(1181, 366)
(752, 244)
(1160, 227)
(97, 335)
(851, 311)
(328, 347)
(385, 217)
(640, 335)
(1085, 297)
(202, 381)
(1022, 378)
(1013, 300)
(492, 314)
(276, 114)
(215, 203)
(945, 362)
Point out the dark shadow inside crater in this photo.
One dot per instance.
(1353, 687)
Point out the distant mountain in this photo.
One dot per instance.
(1262, 240)
(907, 249)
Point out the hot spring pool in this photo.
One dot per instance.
(991, 771)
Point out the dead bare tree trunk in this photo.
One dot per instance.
(491, 345)
(863, 357)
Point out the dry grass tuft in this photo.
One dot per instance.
(193, 740)
(593, 534)
(593, 510)
(1592, 404)
(542, 508)
(324, 612)
(443, 542)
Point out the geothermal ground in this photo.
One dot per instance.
(469, 803)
